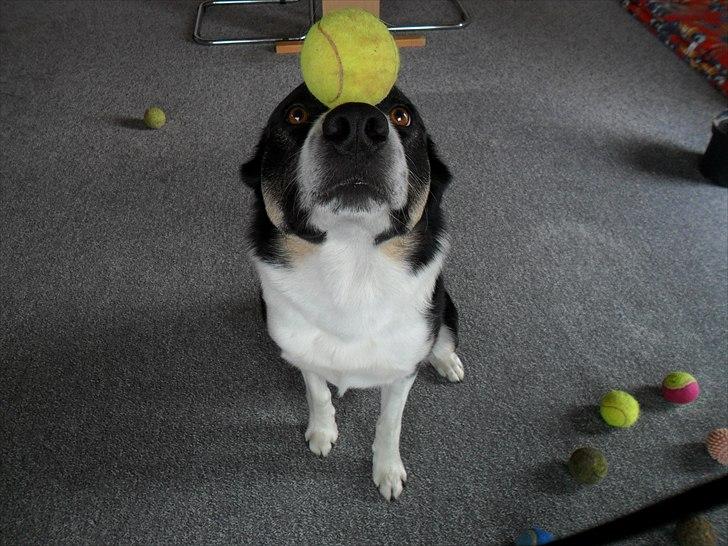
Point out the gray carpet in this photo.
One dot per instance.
(141, 401)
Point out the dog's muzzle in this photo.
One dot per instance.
(354, 137)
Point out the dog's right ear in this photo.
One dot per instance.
(251, 171)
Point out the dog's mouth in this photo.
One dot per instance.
(354, 191)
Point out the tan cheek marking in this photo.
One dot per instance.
(418, 207)
(400, 247)
(296, 248)
(274, 212)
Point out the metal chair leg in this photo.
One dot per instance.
(463, 22)
(202, 9)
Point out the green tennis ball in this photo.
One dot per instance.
(695, 531)
(619, 409)
(154, 117)
(588, 465)
(349, 56)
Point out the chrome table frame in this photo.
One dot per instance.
(202, 9)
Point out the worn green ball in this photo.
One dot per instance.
(154, 117)
(588, 465)
(695, 531)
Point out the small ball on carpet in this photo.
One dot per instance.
(619, 409)
(588, 465)
(154, 117)
(680, 388)
(695, 531)
(717, 444)
(534, 537)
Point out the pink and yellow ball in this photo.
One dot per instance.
(680, 388)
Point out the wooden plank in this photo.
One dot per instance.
(287, 48)
(372, 6)
(405, 40)
(410, 40)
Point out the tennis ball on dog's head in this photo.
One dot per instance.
(619, 409)
(349, 56)
(680, 388)
(154, 117)
(588, 465)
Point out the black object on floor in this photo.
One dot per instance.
(697, 499)
(714, 164)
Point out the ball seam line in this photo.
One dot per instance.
(624, 415)
(338, 61)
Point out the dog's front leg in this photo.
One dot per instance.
(322, 431)
(388, 471)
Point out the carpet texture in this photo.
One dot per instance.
(140, 399)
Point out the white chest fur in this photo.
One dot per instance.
(350, 312)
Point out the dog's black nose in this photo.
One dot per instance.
(355, 127)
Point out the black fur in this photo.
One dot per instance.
(450, 319)
(262, 234)
(431, 227)
(263, 308)
(275, 162)
(443, 311)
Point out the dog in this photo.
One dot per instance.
(348, 240)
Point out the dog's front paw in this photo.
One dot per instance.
(448, 366)
(321, 438)
(389, 475)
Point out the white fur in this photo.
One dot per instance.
(443, 357)
(388, 472)
(349, 312)
(322, 431)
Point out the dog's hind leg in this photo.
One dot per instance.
(322, 431)
(442, 356)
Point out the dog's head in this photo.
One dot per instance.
(318, 170)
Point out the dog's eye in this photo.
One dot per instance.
(400, 116)
(297, 115)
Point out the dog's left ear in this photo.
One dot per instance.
(250, 171)
(440, 175)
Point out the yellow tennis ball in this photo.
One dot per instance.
(349, 56)
(619, 409)
(154, 117)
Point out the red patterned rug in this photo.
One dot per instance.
(696, 30)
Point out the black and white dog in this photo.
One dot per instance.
(348, 240)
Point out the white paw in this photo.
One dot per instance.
(449, 366)
(321, 438)
(389, 476)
